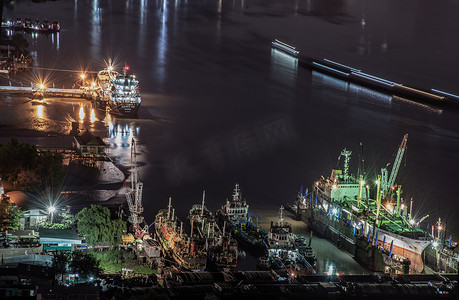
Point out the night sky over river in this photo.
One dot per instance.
(219, 106)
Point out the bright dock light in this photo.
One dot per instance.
(51, 210)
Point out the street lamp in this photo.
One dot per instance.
(82, 79)
(51, 210)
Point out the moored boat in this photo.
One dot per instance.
(344, 209)
(240, 222)
(177, 245)
(119, 92)
(281, 246)
(221, 249)
(285, 48)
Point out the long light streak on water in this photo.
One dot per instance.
(284, 67)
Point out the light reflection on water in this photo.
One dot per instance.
(93, 116)
(120, 134)
(284, 67)
(81, 113)
(40, 112)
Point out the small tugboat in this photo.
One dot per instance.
(177, 245)
(239, 222)
(300, 205)
(281, 247)
(220, 247)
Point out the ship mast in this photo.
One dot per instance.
(236, 193)
(347, 157)
(202, 205)
(281, 216)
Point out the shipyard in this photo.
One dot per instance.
(227, 149)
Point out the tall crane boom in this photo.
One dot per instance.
(397, 162)
(134, 195)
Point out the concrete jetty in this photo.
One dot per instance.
(48, 92)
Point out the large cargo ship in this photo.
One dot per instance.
(342, 208)
(177, 245)
(240, 222)
(220, 247)
(119, 92)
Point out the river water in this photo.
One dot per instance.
(219, 106)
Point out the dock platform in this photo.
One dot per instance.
(48, 93)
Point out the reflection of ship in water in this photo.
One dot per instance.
(119, 93)
(282, 253)
(178, 245)
(220, 247)
(240, 222)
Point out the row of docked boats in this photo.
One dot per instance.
(32, 26)
(214, 240)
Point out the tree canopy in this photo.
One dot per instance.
(10, 214)
(85, 264)
(60, 261)
(22, 165)
(96, 226)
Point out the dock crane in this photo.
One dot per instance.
(134, 197)
(387, 184)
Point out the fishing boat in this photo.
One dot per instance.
(119, 92)
(345, 213)
(221, 249)
(281, 246)
(240, 222)
(177, 245)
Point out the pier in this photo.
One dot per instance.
(353, 75)
(48, 93)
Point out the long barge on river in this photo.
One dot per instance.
(350, 74)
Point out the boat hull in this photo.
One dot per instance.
(124, 109)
